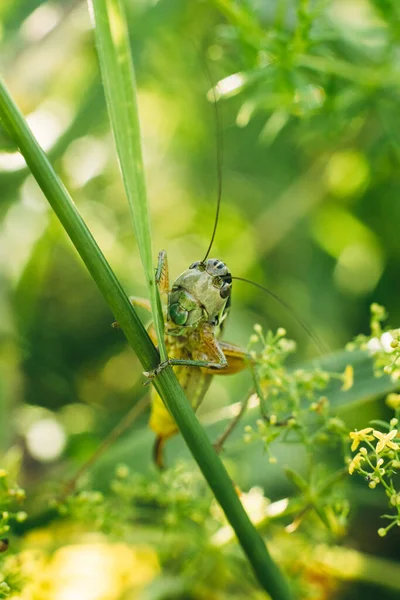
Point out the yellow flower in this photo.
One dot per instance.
(360, 436)
(355, 464)
(385, 440)
(393, 401)
(348, 378)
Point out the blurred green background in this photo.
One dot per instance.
(309, 98)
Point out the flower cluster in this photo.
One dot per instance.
(378, 461)
(292, 400)
(166, 498)
(383, 344)
(11, 497)
(295, 406)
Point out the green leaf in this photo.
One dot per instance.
(120, 89)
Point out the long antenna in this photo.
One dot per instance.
(320, 345)
(219, 155)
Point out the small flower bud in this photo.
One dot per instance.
(382, 532)
(21, 516)
(20, 494)
(395, 500)
(393, 401)
(122, 471)
(378, 310)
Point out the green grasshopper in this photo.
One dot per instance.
(195, 310)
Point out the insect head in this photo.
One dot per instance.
(201, 293)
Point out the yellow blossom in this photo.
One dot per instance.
(348, 378)
(360, 436)
(393, 401)
(385, 440)
(355, 464)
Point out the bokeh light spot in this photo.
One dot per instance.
(46, 440)
(84, 159)
(41, 21)
(347, 173)
(359, 269)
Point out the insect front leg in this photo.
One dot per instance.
(175, 362)
(162, 276)
(162, 282)
(205, 351)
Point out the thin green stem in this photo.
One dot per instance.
(266, 571)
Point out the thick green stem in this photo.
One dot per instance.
(166, 384)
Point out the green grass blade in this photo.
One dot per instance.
(120, 89)
(266, 571)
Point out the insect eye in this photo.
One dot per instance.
(217, 281)
(225, 290)
(178, 314)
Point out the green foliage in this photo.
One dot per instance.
(12, 498)
(119, 88)
(380, 464)
(309, 95)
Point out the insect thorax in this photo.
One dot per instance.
(200, 294)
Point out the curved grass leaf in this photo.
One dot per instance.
(120, 89)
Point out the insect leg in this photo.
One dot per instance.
(158, 452)
(219, 443)
(206, 353)
(174, 362)
(238, 359)
(161, 276)
(125, 423)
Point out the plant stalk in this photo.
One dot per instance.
(166, 384)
